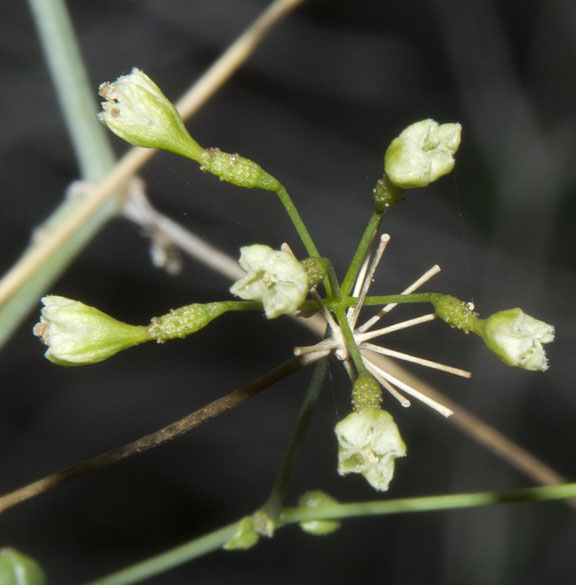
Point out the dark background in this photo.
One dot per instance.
(316, 106)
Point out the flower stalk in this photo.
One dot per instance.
(137, 111)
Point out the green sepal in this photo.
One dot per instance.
(366, 392)
(386, 195)
(316, 269)
(179, 323)
(237, 170)
(454, 312)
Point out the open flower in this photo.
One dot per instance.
(368, 443)
(275, 278)
(516, 338)
(422, 153)
(137, 111)
(77, 334)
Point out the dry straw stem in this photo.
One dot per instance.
(117, 180)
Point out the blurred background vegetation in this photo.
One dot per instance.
(316, 106)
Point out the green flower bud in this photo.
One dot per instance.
(184, 321)
(19, 569)
(316, 500)
(386, 195)
(137, 111)
(275, 278)
(366, 392)
(77, 334)
(316, 269)
(516, 338)
(455, 312)
(237, 170)
(422, 153)
(245, 535)
(368, 443)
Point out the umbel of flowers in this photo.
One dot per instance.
(369, 441)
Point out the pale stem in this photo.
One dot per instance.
(367, 280)
(60, 237)
(327, 344)
(163, 435)
(358, 284)
(416, 360)
(430, 273)
(337, 336)
(137, 208)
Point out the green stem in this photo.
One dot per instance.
(216, 539)
(170, 559)
(388, 299)
(361, 251)
(428, 503)
(292, 212)
(369, 301)
(278, 493)
(93, 153)
(73, 88)
(340, 313)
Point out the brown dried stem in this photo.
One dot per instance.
(157, 438)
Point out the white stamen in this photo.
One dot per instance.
(367, 280)
(387, 308)
(361, 337)
(416, 360)
(391, 390)
(443, 410)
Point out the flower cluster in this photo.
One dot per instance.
(369, 441)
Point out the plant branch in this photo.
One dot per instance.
(26, 281)
(170, 559)
(278, 493)
(216, 539)
(157, 438)
(428, 503)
